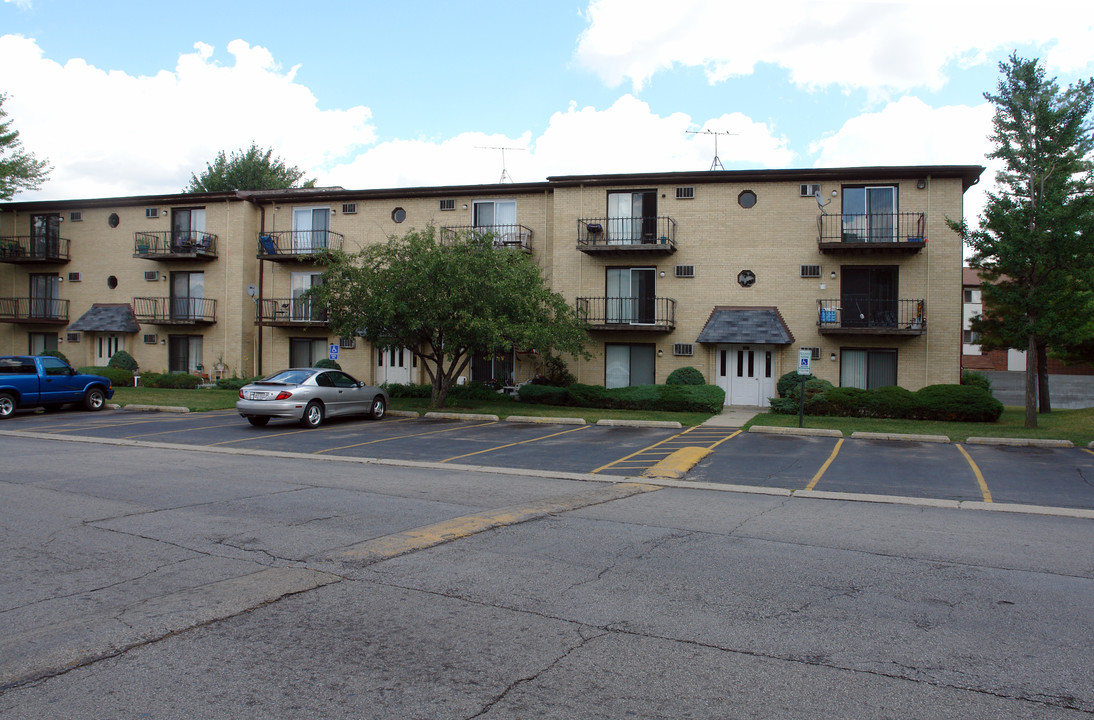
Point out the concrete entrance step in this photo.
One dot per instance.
(735, 416)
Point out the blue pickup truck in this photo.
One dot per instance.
(46, 381)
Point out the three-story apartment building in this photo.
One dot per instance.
(730, 272)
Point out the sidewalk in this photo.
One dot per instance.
(734, 416)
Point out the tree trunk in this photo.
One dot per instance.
(1044, 402)
(1031, 383)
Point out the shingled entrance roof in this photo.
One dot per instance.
(103, 317)
(746, 326)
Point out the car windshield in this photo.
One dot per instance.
(289, 377)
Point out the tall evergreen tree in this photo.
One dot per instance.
(1035, 245)
(252, 169)
(19, 170)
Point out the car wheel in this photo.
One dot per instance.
(313, 415)
(379, 408)
(7, 405)
(258, 421)
(94, 399)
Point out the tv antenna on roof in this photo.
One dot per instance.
(717, 164)
(504, 173)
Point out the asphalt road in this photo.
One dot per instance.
(145, 582)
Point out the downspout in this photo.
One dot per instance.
(261, 286)
(927, 335)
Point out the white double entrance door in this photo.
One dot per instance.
(746, 373)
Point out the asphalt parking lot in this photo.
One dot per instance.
(1052, 477)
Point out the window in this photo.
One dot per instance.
(972, 295)
(303, 307)
(971, 338)
(184, 353)
(629, 365)
(45, 235)
(44, 289)
(746, 278)
(869, 214)
(747, 199)
(305, 352)
(152, 213)
(867, 369)
(310, 228)
(54, 366)
(187, 228)
(632, 217)
(398, 214)
(497, 368)
(496, 216)
(40, 342)
(868, 295)
(113, 220)
(631, 296)
(187, 295)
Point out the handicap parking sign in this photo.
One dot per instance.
(804, 358)
(334, 351)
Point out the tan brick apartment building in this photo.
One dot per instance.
(731, 272)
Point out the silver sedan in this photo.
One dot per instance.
(309, 395)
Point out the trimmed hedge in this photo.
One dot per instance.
(685, 376)
(671, 398)
(235, 383)
(980, 380)
(116, 376)
(123, 360)
(955, 403)
(408, 390)
(177, 380)
(790, 382)
(327, 363)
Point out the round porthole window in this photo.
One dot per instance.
(746, 199)
(398, 214)
(112, 282)
(746, 278)
(114, 220)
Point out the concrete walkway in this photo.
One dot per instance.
(734, 416)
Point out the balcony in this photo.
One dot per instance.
(862, 315)
(32, 249)
(517, 237)
(627, 236)
(175, 311)
(34, 311)
(292, 245)
(647, 314)
(893, 233)
(174, 245)
(290, 312)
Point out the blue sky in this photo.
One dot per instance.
(129, 98)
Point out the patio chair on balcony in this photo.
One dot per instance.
(267, 244)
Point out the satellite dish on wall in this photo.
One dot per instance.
(821, 203)
(252, 290)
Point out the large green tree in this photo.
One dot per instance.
(19, 170)
(252, 169)
(1034, 246)
(446, 301)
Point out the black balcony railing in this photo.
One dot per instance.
(174, 310)
(290, 311)
(873, 228)
(861, 313)
(31, 248)
(657, 233)
(177, 244)
(628, 313)
(33, 310)
(297, 243)
(504, 236)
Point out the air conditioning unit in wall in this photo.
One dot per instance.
(811, 271)
(349, 208)
(685, 271)
(72, 337)
(151, 275)
(684, 349)
(75, 277)
(150, 339)
(809, 189)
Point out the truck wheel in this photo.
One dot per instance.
(7, 405)
(94, 399)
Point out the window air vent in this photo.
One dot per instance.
(685, 271)
(449, 204)
(685, 193)
(809, 189)
(75, 277)
(151, 339)
(814, 352)
(683, 349)
(72, 337)
(810, 271)
(76, 216)
(152, 275)
(347, 343)
(151, 212)
(349, 208)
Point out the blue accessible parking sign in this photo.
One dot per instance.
(334, 351)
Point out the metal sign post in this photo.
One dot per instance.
(804, 359)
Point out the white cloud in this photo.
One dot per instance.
(875, 44)
(111, 133)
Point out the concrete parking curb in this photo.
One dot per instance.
(672, 424)
(773, 430)
(157, 408)
(460, 416)
(404, 413)
(1020, 442)
(542, 420)
(905, 437)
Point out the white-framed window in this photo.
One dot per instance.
(310, 229)
(629, 365)
(305, 352)
(867, 369)
(631, 296)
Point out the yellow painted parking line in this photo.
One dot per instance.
(403, 437)
(176, 430)
(976, 471)
(639, 452)
(401, 543)
(259, 437)
(522, 442)
(1088, 451)
(824, 468)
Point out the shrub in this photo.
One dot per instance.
(116, 376)
(960, 403)
(472, 391)
(963, 403)
(57, 354)
(685, 376)
(975, 379)
(556, 373)
(177, 380)
(790, 380)
(123, 360)
(327, 363)
(235, 383)
(669, 398)
(544, 394)
(410, 390)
